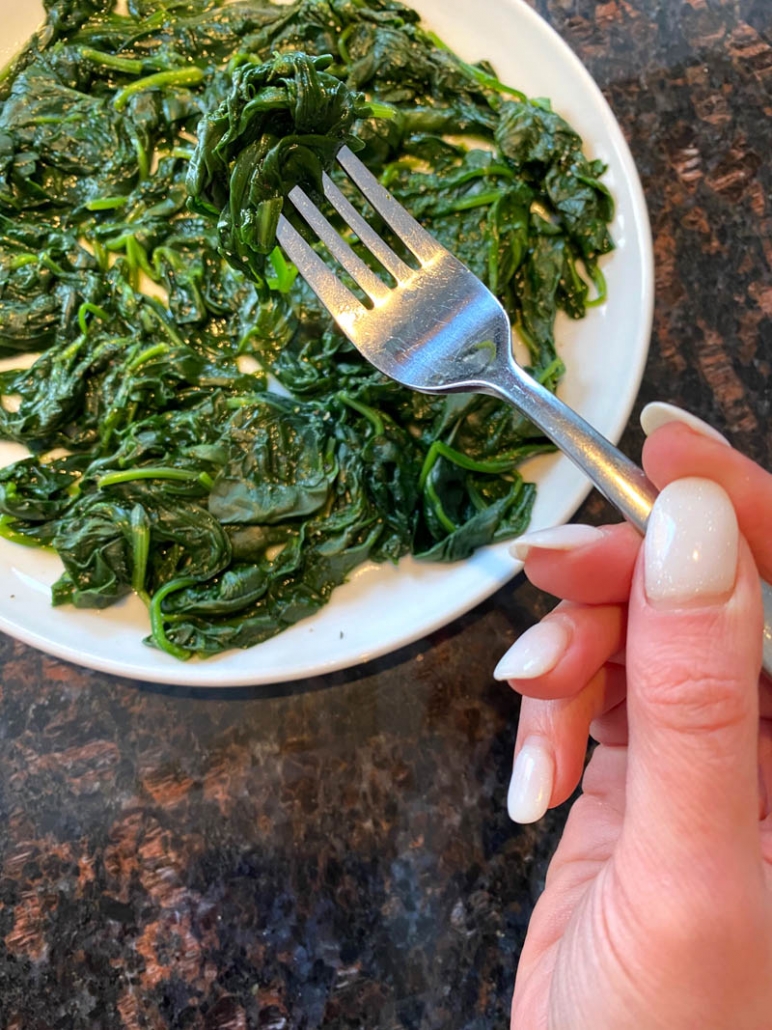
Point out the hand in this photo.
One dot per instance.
(657, 911)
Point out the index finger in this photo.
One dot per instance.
(598, 572)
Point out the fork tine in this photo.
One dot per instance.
(340, 250)
(344, 307)
(412, 234)
(377, 247)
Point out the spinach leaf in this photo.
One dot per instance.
(280, 126)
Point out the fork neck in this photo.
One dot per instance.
(619, 479)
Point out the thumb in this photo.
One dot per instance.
(693, 662)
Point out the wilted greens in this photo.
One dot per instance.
(227, 454)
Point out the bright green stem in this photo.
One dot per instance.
(153, 306)
(168, 254)
(140, 549)
(380, 110)
(7, 533)
(369, 413)
(476, 200)
(148, 354)
(286, 273)
(554, 370)
(157, 472)
(51, 265)
(137, 258)
(599, 282)
(441, 450)
(234, 403)
(525, 336)
(153, 21)
(87, 308)
(100, 253)
(71, 352)
(490, 81)
(157, 629)
(345, 56)
(21, 260)
(159, 80)
(7, 68)
(106, 203)
(444, 519)
(143, 159)
(120, 64)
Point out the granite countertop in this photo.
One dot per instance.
(336, 853)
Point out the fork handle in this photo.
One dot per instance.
(618, 478)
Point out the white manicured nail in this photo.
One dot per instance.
(659, 414)
(537, 651)
(530, 788)
(691, 545)
(559, 538)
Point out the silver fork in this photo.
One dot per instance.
(440, 330)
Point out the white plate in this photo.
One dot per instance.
(383, 608)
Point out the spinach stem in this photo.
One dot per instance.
(52, 266)
(443, 518)
(369, 413)
(158, 80)
(21, 260)
(495, 466)
(87, 308)
(140, 549)
(143, 160)
(599, 282)
(470, 202)
(441, 450)
(379, 109)
(100, 253)
(148, 354)
(8, 533)
(554, 370)
(157, 630)
(286, 273)
(154, 305)
(155, 472)
(121, 64)
(477, 73)
(106, 203)
(345, 56)
(137, 256)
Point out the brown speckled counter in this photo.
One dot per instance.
(336, 853)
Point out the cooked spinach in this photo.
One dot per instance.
(143, 163)
(281, 124)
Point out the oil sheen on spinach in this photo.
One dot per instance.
(233, 502)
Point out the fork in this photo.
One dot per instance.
(440, 330)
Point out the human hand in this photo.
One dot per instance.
(657, 912)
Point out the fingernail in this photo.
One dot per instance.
(690, 550)
(659, 414)
(537, 651)
(530, 788)
(559, 538)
